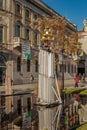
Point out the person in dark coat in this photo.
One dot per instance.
(32, 78)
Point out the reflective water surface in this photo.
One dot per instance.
(57, 117)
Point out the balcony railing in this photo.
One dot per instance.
(17, 41)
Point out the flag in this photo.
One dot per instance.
(26, 52)
(28, 56)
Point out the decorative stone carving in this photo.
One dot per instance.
(85, 25)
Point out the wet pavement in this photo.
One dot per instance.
(55, 118)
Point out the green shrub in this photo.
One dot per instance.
(84, 92)
(82, 127)
(72, 91)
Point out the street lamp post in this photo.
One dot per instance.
(46, 37)
(47, 77)
(61, 63)
(63, 81)
(62, 72)
(46, 70)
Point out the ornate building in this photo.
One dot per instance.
(18, 49)
(17, 39)
(83, 39)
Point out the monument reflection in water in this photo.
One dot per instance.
(49, 118)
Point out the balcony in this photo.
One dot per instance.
(17, 41)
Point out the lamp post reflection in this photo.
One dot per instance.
(61, 63)
(46, 71)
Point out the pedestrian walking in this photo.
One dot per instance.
(32, 78)
(76, 80)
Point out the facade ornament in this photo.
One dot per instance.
(85, 25)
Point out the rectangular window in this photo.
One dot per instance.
(28, 65)
(35, 38)
(27, 13)
(71, 68)
(35, 16)
(68, 68)
(28, 104)
(36, 66)
(17, 31)
(27, 34)
(1, 3)
(19, 107)
(18, 8)
(1, 33)
(18, 64)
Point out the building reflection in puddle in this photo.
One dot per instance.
(49, 118)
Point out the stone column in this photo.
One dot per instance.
(46, 77)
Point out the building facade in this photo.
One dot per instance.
(17, 39)
(83, 39)
(19, 44)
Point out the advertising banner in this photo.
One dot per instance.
(26, 53)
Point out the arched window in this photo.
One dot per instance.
(28, 65)
(18, 64)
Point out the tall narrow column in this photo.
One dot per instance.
(46, 76)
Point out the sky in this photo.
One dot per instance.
(74, 10)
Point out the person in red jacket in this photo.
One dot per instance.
(76, 80)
